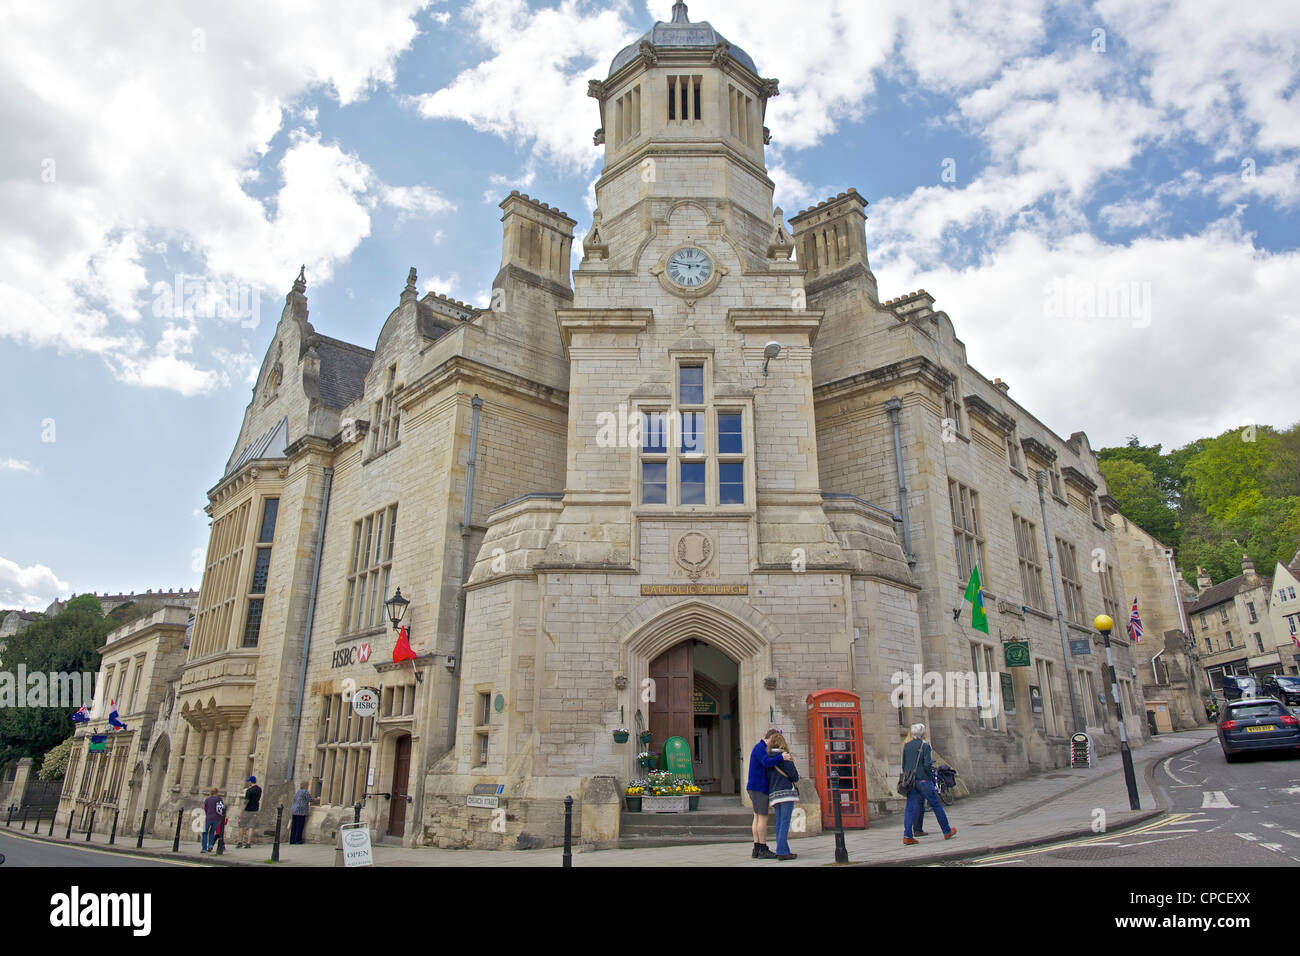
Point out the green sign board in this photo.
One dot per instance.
(1016, 653)
(704, 704)
(1008, 695)
(98, 742)
(677, 758)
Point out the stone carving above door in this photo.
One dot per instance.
(694, 553)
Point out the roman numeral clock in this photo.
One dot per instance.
(688, 271)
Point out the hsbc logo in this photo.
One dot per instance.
(345, 656)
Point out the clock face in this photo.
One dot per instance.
(690, 267)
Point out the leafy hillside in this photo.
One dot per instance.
(1215, 498)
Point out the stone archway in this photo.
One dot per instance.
(157, 776)
(733, 627)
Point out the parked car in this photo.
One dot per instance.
(1239, 687)
(1259, 723)
(1284, 688)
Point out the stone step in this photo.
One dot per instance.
(697, 818)
(685, 838)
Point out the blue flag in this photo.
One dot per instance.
(81, 717)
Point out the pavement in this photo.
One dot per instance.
(1050, 806)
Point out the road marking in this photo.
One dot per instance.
(999, 863)
(1216, 800)
(1248, 836)
(1275, 847)
(1268, 824)
(1289, 791)
(1145, 842)
(86, 849)
(1073, 844)
(1292, 833)
(1171, 775)
(1180, 831)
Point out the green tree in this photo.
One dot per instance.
(55, 763)
(1225, 477)
(1132, 484)
(68, 642)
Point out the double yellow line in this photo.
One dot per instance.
(1086, 841)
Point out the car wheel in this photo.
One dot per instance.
(1229, 757)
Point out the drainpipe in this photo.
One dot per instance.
(1056, 596)
(311, 616)
(1154, 677)
(476, 403)
(893, 406)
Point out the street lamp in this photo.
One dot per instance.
(1103, 623)
(396, 608)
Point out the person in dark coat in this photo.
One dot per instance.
(917, 756)
(760, 758)
(782, 795)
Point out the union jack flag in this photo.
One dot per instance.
(1135, 623)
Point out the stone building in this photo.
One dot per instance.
(138, 664)
(1284, 615)
(1167, 659)
(1228, 622)
(659, 491)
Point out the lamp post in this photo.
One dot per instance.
(1103, 623)
(396, 611)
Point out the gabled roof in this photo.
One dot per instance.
(1224, 591)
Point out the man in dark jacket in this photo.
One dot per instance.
(760, 758)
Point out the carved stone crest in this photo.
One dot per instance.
(694, 552)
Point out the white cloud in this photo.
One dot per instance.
(29, 589)
(17, 464)
(139, 131)
(1135, 374)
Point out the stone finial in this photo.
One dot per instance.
(679, 13)
(721, 52)
(779, 243)
(410, 279)
(647, 50)
(300, 283)
(596, 89)
(594, 245)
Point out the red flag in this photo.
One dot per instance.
(402, 649)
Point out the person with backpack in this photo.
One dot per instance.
(917, 758)
(214, 812)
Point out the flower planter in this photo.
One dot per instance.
(644, 736)
(675, 804)
(620, 736)
(633, 804)
(694, 802)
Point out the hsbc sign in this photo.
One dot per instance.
(356, 654)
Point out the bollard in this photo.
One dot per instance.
(68, 835)
(52, 818)
(23, 826)
(36, 827)
(112, 836)
(176, 843)
(221, 836)
(139, 840)
(568, 831)
(9, 815)
(275, 847)
(841, 851)
(356, 813)
(90, 829)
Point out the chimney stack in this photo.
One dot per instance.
(1202, 579)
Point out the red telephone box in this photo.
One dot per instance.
(835, 743)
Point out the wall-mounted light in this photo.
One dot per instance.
(770, 351)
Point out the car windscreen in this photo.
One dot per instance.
(1288, 682)
(1255, 710)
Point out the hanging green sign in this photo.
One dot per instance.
(1016, 653)
(1008, 695)
(705, 704)
(677, 757)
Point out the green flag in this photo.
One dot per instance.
(979, 618)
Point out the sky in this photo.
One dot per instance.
(1101, 195)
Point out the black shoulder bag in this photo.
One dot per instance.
(907, 779)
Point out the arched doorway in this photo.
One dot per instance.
(712, 655)
(157, 775)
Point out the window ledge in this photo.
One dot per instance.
(382, 452)
(373, 631)
(1018, 473)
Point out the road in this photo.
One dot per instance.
(20, 851)
(1221, 814)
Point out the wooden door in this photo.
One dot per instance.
(672, 712)
(401, 774)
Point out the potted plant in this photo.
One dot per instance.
(664, 794)
(632, 794)
(620, 735)
(647, 758)
(644, 736)
(692, 792)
